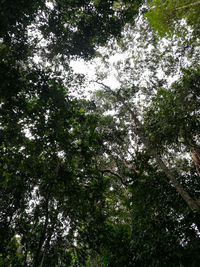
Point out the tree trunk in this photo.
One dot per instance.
(38, 254)
(196, 159)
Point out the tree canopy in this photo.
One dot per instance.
(111, 179)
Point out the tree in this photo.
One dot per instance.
(162, 154)
(165, 15)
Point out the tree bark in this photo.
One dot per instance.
(196, 159)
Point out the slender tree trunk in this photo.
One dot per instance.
(38, 253)
(45, 248)
(192, 204)
(139, 130)
(39, 256)
(25, 256)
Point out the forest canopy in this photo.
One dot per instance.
(92, 172)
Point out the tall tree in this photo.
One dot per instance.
(164, 159)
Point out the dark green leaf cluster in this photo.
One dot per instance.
(173, 117)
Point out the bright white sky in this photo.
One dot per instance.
(89, 69)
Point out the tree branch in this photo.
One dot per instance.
(115, 174)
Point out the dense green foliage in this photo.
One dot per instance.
(71, 28)
(164, 15)
(80, 187)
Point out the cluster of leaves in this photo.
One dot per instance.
(173, 117)
(70, 28)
